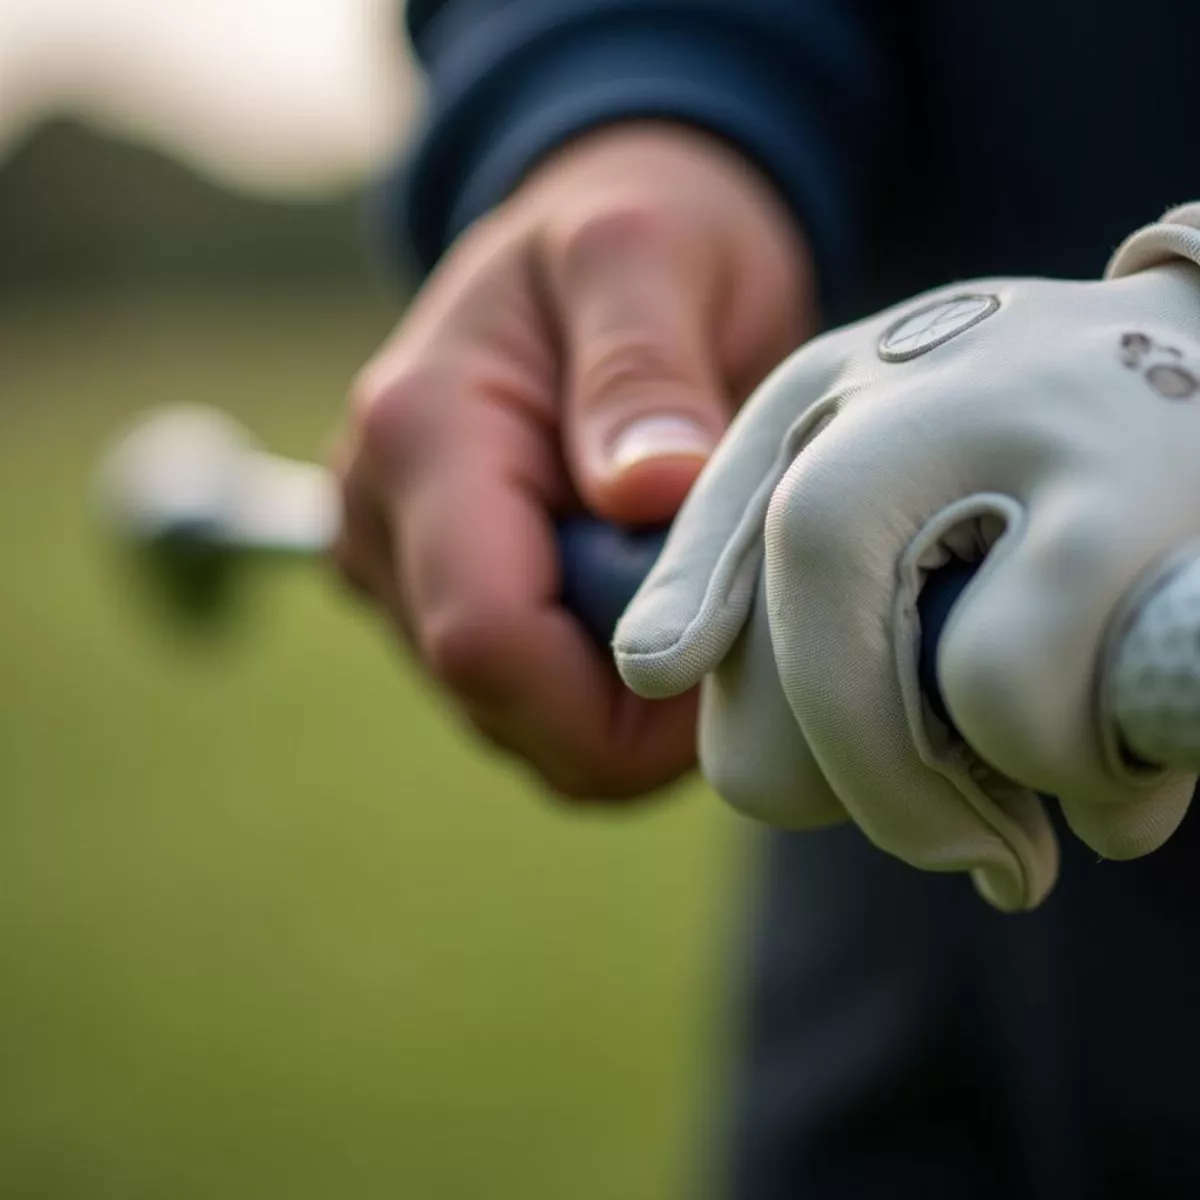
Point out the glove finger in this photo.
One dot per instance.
(695, 601)
(752, 752)
(1132, 829)
(1021, 658)
(837, 606)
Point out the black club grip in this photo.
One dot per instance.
(603, 566)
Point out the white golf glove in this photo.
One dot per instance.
(1053, 427)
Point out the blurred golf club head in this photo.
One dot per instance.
(194, 503)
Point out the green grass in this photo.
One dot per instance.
(271, 924)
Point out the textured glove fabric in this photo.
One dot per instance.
(1048, 428)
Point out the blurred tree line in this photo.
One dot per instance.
(78, 207)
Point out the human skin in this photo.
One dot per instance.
(583, 345)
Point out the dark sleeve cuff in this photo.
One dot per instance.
(505, 96)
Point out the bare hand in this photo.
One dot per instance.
(584, 345)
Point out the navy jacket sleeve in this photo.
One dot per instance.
(803, 87)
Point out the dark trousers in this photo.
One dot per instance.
(903, 1040)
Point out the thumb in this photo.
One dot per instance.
(643, 405)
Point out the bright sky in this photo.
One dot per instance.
(268, 94)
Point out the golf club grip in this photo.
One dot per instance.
(603, 566)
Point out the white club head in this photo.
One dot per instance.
(190, 472)
(177, 471)
(187, 489)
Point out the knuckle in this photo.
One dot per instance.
(975, 665)
(618, 228)
(803, 524)
(392, 412)
(624, 363)
(465, 652)
(823, 500)
(994, 688)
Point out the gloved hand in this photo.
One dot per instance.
(1050, 427)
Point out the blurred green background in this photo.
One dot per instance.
(271, 923)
